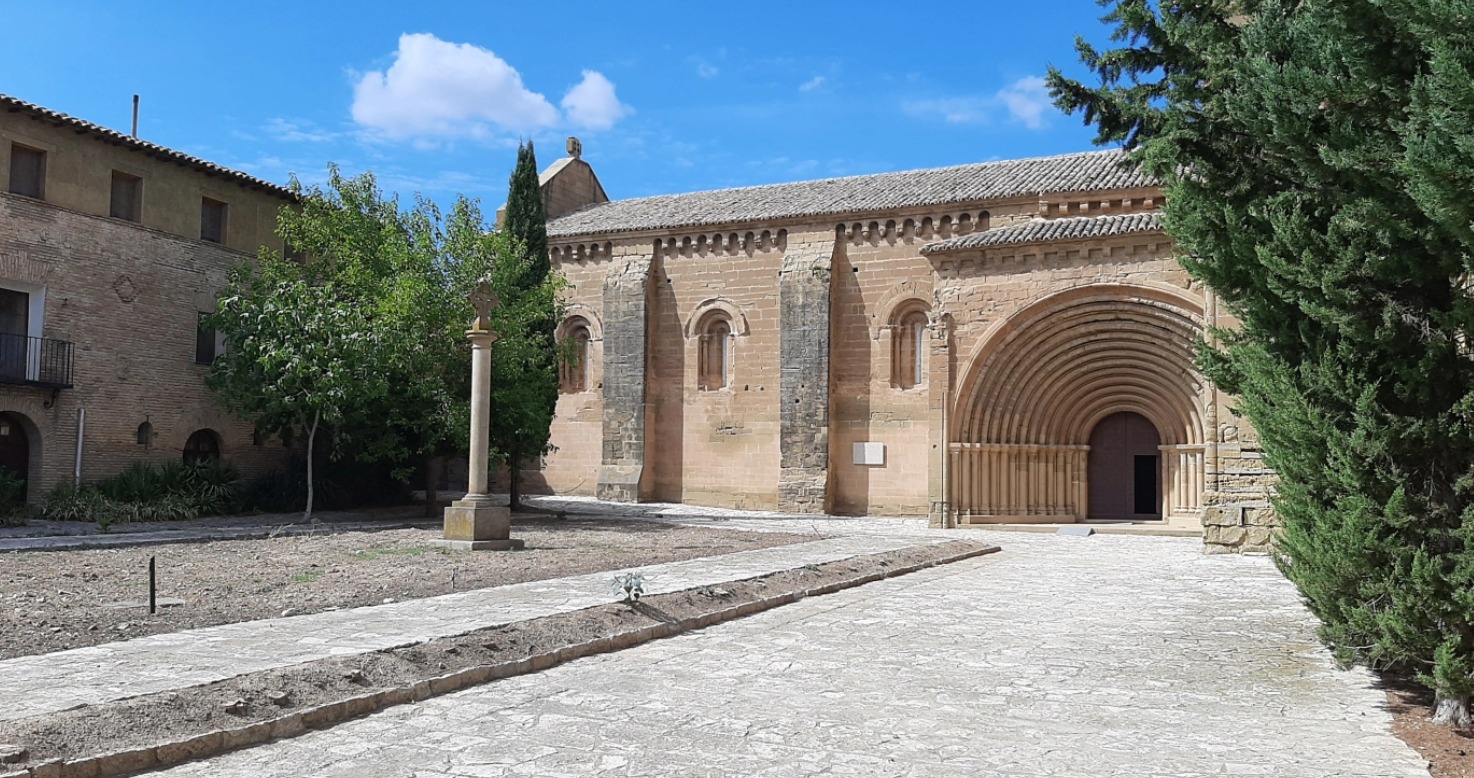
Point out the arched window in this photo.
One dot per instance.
(908, 348)
(715, 358)
(573, 371)
(202, 445)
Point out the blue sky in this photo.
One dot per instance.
(666, 96)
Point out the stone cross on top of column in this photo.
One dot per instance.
(484, 300)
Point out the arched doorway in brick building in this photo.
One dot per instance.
(15, 447)
(1085, 404)
(1125, 468)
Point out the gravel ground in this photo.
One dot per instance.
(55, 600)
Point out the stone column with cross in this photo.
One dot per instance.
(476, 523)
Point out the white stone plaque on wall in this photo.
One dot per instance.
(872, 454)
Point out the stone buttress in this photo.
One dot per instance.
(804, 319)
(625, 317)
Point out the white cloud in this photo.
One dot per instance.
(953, 110)
(811, 84)
(1025, 101)
(297, 131)
(440, 88)
(705, 69)
(592, 102)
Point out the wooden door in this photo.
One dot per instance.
(1125, 468)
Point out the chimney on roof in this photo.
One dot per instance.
(135, 116)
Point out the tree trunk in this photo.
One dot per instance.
(432, 480)
(311, 439)
(1452, 711)
(514, 490)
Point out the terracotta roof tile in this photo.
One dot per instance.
(16, 105)
(1085, 172)
(1051, 230)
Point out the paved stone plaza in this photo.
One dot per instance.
(1104, 656)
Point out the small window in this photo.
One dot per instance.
(208, 344)
(126, 201)
(715, 358)
(212, 220)
(202, 446)
(574, 371)
(908, 350)
(27, 171)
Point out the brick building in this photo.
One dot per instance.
(111, 248)
(998, 342)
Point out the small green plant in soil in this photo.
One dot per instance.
(629, 586)
(307, 576)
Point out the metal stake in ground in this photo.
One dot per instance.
(475, 523)
(153, 588)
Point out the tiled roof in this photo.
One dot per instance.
(1086, 172)
(15, 105)
(1052, 230)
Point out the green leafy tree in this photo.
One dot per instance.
(395, 285)
(401, 264)
(1318, 159)
(301, 354)
(383, 292)
(525, 362)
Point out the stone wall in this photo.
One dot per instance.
(813, 373)
(717, 446)
(129, 298)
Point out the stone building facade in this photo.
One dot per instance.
(111, 248)
(1000, 342)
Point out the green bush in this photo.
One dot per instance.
(212, 485)
(13, 508)
(167, 491)
(67, 502)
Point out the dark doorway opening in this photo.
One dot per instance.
(1146, 484)
(1124, 468)
(15, 313)
(15, 448)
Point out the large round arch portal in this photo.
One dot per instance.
(1042, 381)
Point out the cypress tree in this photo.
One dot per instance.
(525, 383)
(1318, 159)
(525, 218)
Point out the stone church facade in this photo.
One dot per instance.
(1004, 342)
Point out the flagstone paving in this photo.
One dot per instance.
(47, 683)
(1104, 656)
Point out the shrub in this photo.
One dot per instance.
(167, 491)
(12, 498)
(212, 485)
(141, 482)
(67, 502)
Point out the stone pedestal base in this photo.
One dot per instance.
(475, 524)
(510, 544)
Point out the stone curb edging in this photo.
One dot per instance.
(129, 761)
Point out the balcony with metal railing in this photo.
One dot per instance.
(31, 361)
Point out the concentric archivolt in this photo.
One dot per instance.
(1048, 374)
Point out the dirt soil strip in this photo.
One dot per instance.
(158, 730)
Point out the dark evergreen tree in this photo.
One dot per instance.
(525, 217)
(1318, 159)
(525, 361)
